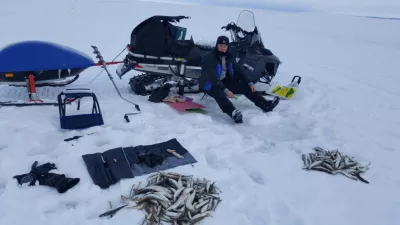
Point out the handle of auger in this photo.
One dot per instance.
(127, 114)
(127, 118)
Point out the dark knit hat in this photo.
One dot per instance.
(223, 40)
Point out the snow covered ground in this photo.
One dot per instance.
(374, 8)
(348, 100)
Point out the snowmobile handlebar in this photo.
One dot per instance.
(172, 19)
(184, 17)
(232, 26)
(178, 18)
(235, 30)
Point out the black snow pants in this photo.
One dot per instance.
(237, 87)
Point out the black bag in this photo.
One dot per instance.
(158, 94)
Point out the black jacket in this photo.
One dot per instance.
(211, 71)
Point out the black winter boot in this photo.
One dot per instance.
(269, 105)
(58, 181)
(237, 116)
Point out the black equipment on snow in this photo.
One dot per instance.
(160, 93)
(40, 175)
(159, 49)
(76, 137)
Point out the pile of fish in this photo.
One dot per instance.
(333, 162)
(174, 198)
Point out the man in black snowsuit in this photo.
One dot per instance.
(219, 80)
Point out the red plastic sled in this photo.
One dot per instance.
(188, 106)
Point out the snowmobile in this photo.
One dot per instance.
(159, 50)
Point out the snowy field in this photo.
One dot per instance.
(388, 9)
(349, 99)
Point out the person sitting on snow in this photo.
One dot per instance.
(219, 80)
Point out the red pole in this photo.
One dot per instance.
(32, 88)
(108, 63)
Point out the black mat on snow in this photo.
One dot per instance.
(109, 167)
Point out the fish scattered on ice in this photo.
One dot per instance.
(174, 198)
(333, 162)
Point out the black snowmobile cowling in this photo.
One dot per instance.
(156, 36)
(252, 58)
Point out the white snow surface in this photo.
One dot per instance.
(348, 100)
(375, 8)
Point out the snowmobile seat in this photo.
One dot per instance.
(80, 121)
(158, 37)
(191, 54)
(162, 47)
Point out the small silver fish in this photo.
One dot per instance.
(174, 198)
(334, 162)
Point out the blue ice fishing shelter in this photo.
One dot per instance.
(41, 55)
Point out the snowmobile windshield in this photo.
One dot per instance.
(246, 21)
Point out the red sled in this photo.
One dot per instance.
(188, 106)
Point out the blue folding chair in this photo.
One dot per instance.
(81, 121)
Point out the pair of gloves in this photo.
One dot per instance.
(40, 175)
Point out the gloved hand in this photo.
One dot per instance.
(42, 169)
(35, 173)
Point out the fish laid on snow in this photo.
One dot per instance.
(174, 198)
(333, 162)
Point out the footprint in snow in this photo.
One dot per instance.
(2, 188)
(2, 147)
(256, 176)
(284, 215)
(101, 142)
(61, 207)
(214, 161)
(259, 217)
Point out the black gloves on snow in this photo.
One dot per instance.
(58, 181)
(153, 157)
(151, 160)
(41, 174)
(36, 171)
